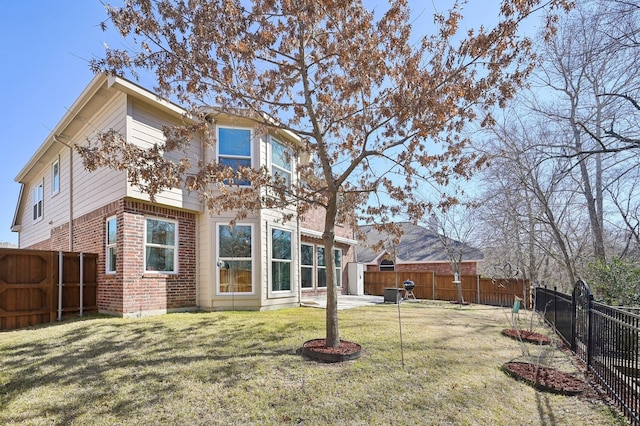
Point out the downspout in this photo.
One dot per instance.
(299, 232)
(71, 198)
(55, 138)
(299, 256)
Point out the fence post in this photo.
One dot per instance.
(555, 307)
(574, 308)
(433, 285)
(60, 280)
(478, 287)
(589, 328)
(81, 284)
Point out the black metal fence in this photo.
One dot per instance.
(606, 338)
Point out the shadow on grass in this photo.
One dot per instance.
(104, 361)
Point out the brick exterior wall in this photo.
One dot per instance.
(131, 292)
(314, 220)
(156, 292)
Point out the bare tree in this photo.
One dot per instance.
(369, 98)
(529, 204)
(455, 226)
(582, 64)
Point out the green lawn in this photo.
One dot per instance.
(243, 368)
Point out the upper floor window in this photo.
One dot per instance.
(111, 248)
(38, 199)
(55, 177)
(234, 150)
(160, 245)
(280, 162)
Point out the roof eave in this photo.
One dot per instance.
(15, 226)
(71, 113)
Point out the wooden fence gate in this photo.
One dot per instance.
(40, 286)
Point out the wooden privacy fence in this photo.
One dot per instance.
(429, 285)
(40, 286)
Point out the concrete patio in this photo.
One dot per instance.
(344, 301)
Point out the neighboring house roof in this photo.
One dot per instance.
(417, 244)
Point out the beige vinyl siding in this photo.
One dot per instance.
(270, 219)
(145, 129)
(206, 261)
(92, 190)
(35, 231)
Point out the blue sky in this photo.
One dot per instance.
(46, 46)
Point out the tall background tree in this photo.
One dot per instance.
(564, 156)
(378, 107)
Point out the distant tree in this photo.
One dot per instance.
(529, 208)
(377, 107)
(616, 282)
(454, 225)
(590, 68)
(563, 186)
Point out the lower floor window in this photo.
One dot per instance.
(306, 265)
(236, 256)
(160, 245)
(280, 260)
(318, 262)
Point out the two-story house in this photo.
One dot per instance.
(171, 254)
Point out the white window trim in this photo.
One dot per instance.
(224, 259)
(281, 293)
(339, 268)
(107, 257)
(175, 246)
(55, 189)
(277, 168)
(317, 267)
(218, 156)
(312, 267)
(38, 197)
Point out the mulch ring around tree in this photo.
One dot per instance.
(527, 336)
(545, 378)
(317, 350)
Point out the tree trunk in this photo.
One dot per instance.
(332, 338)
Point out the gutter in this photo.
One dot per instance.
(318, 234)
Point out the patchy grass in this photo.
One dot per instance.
(243, 368)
